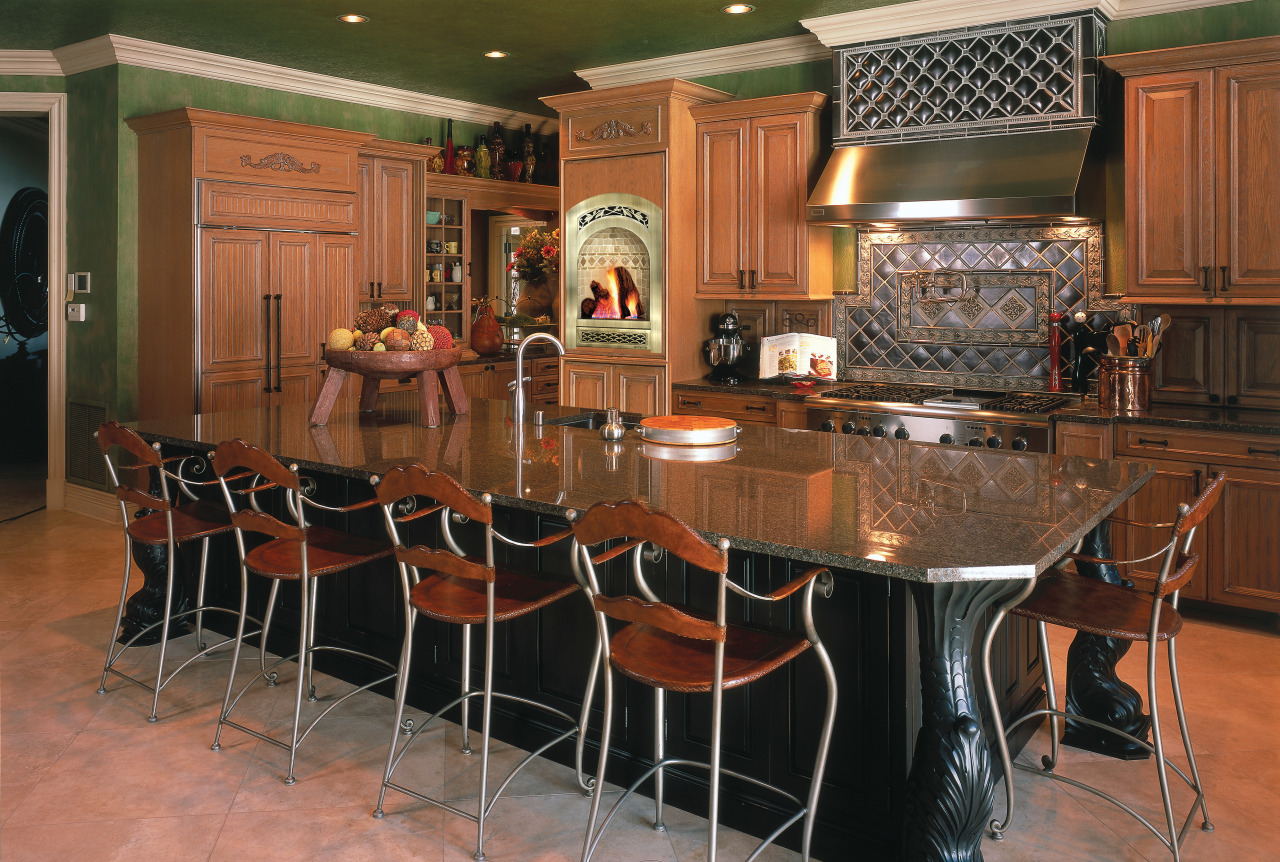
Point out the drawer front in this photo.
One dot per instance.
(737, 407)
(1154, 441)
(615, 128)
(238, 205)
(544, 367)
(273, 159)
(544, 385)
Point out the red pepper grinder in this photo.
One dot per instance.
(1055, 351)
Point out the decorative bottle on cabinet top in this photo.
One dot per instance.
(482, 160)
(497, 153)
(450, 164)
(530, 160)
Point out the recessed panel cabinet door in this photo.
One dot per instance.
(296, 304)
(1245, 549)
(641, 389)
(235, 304)
(1188, 369)
(1169, 184)
(1253, 370)
(233, 390)
(1247, 103)
(722, 206)
(778, 230)
(586, 385)
(393, 231)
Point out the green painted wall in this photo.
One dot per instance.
(798, 78)
(31, 84)
(1198, 27)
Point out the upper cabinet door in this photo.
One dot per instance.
(722, 206)
(236, 311)
(1247, 100)
(1169, 184)
(393, 230)
(778, 195)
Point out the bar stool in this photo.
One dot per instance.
(676, 648)
(1109, 610)
(168, 524)
(299, 552)
(451, 587)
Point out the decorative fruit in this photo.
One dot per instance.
(382, 336)
(421, 340)
(379, 347)
(397, 339)
(367, 340)
(408, 321)
(391, 310)
(442, 337)
(341, 339)
(372, 320)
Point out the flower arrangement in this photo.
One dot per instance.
(538, 256)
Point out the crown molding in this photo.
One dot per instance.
(29, 63)
(714, 61)
(110, 50)
(931, 16)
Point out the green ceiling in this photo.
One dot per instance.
(425, 46)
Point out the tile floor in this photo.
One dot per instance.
(84, 776)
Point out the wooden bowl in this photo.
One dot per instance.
(392, 364)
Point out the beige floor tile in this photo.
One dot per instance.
(347, 834)
(173, 839)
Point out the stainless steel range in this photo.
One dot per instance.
(936, 414)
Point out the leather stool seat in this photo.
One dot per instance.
(1098, 608)
(462, 601)
(328, 551)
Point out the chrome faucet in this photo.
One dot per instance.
(517, 387)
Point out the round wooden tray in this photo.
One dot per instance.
(392, 364)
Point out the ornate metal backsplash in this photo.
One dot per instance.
(1018, 76)
(995, 334)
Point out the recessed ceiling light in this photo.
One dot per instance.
(496, 55)
(738, 9)
(353, 19)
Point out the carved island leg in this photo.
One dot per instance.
(328, 396)
(1093, 689)
(428, 398)
(950, 790)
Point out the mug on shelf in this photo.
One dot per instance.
(451, 247)
(434, 246)
(437, 272)
(433, 217)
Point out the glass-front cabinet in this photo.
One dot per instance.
(447, 256)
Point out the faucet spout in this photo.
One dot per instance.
(517, 391)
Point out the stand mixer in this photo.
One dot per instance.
(725, 351)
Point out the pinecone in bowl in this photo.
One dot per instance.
(367, 340)
(372, 320)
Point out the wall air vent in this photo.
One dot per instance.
(84, 458)
(1020, 76)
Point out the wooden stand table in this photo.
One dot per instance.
(394, 365)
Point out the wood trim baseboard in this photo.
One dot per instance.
(89, 502)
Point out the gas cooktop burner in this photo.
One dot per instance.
(885, 393)
(1025, 402)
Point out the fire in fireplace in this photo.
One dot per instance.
(617, 299)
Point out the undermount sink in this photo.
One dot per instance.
(593, 420)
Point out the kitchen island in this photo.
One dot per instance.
(922, 540)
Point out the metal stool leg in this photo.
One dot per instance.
(466, 689)
(824, 745)
(164, 629)
(1050, 761)
(235, 651)
(713, 813)
(204, 563)
(588, 785)
(304, 657)
(487, 709)
(1157, 743)
(606, 729)
(659, 752)
(402, 688)
(1206, 824)
(124, 597)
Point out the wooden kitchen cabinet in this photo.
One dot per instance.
(756, 158)
(488, 379)
(631, 388)
(1202, 159)
(1218, 356)
(1087, 441)
(1244, 548)
(751, 409)
(386, 192)
(544, 383)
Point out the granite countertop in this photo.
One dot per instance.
(1206, 418)
(901, 509)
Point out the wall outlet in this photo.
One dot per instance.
(75, 311)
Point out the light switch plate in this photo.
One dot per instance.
(75, 311)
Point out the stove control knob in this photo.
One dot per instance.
(864, 431)
(946, 439)
(878, 431)
(975, 441)
(827, 425)
(902, 433)
(847, 428)
(994, 442)
(1020, 443)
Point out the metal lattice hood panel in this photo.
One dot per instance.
(993, 81)
(980, 123)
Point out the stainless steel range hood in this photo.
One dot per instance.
(1039, 176)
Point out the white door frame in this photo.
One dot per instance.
(53, 106)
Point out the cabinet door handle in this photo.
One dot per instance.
(1231, 399)
(1224, 278)
(685, 402)
(1253, 451)
(741, 284)
(751, 279)
(1204, 280)
(759, 407)
(372, 295)
(379, 290)
(1143, 441)
(1214, 398)
(279, 338)
(1197, 488)
(266, 298)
